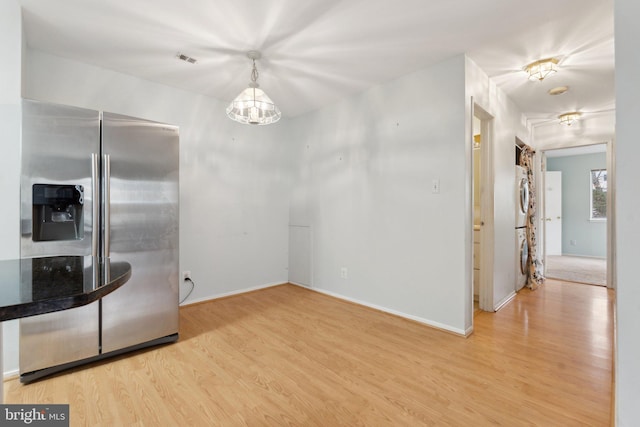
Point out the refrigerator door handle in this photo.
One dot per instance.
(95, 208)
(106, 167)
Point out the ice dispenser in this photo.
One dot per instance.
(57, 212)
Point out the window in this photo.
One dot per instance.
(598, 194)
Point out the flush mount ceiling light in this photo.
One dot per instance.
(253, 106)
(558, 90)
(541, 69)
(569, 118)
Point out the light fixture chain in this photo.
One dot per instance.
(254, 72)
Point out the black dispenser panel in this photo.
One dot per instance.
(57, 212)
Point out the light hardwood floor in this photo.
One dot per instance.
(289, 356)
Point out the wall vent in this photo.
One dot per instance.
(186, 58)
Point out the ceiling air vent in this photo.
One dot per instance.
(186, 58)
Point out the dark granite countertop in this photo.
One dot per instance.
(32, 286)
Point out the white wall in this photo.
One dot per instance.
(10, 85)
(365, 170)
(589, 237)
(234, 179)
(366, 166)
(628, 212)
(508, 124)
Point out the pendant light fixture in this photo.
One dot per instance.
(253, 106)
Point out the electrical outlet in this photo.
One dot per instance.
(573, 242)
(344, 272)
(186, 275)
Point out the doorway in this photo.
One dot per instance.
(576, 214)
(482, 203)
(477, 209)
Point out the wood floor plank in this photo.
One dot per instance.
(290, 356)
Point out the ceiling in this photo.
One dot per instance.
(319, 51)
(577, 151)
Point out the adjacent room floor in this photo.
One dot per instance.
(592, 271)
(290, 356)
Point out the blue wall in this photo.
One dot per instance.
(590, 236)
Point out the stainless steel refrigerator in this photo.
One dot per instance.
(100, 185)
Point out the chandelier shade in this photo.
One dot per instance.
(253, 106)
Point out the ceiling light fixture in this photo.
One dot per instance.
(569, 118)
(253, 106)
(541, 69)
(558, 90)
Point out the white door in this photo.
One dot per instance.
(553, 212)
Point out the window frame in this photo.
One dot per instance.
(591, 191)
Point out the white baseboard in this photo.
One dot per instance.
(505, 300)
(436, 325)
(302, 285)
(228, 294)
(584, 256)
(9, 375)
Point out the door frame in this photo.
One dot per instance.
(611, 213)
(487, 229)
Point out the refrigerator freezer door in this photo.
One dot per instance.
(57, 147)
(143, 219)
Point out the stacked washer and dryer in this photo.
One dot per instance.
(522, 206)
